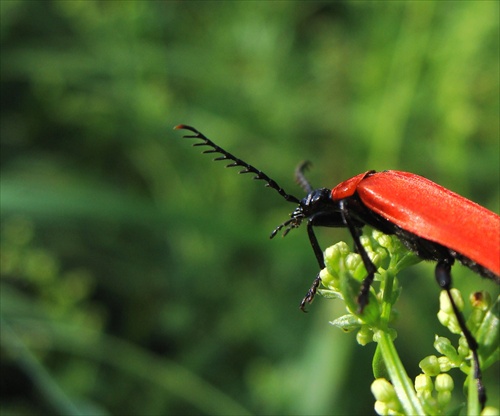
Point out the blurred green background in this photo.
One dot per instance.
(137, 275)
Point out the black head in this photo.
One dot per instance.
(316, 201)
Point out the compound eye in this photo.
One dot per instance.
(318, 196)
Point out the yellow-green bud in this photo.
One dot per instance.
(445, 364)
(383, 390)
(444, 300)
(430, 365)
(381, 408)
(364, 335)
(443, 345)
(444, 382)
(463, 347)
(423, 384)
(384, 393)
(327, 279)
(490, 411)
(480, 300)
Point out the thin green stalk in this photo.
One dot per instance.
(473, 406)
(400, 380)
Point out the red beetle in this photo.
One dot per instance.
(434, 222)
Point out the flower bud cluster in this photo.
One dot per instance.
(451, 357)
(344, 272)
(342, 279)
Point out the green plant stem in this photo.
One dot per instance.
(473, 406)
(387, 287)
(400, 380)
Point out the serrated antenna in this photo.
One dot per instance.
(259, 175)
(300, 176)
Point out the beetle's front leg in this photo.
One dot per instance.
(309, 297)
(369, 266)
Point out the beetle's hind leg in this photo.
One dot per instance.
(443, 277)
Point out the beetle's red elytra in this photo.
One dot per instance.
(432, 221)
(429, 211)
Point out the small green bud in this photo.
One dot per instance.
(430, 365)
(382, 260)
(445, 364)
(384, 240)
(383, 390)
(444, 382)
(365, 242)
(354, 264)
(463, 347)
(443, 317)
(423, 388)
(364, 335)
(379, 246)
(376, 258)
(444, 300)
(490, 411)
(382, 409)
(384, 393)
(423, 384)
(444, 386)
(481, 303)
(327, 279)
(443, 345)
(457, 297)
(446, 315)
(480, 300)
(334, 256)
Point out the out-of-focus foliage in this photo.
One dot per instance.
(137, 275)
